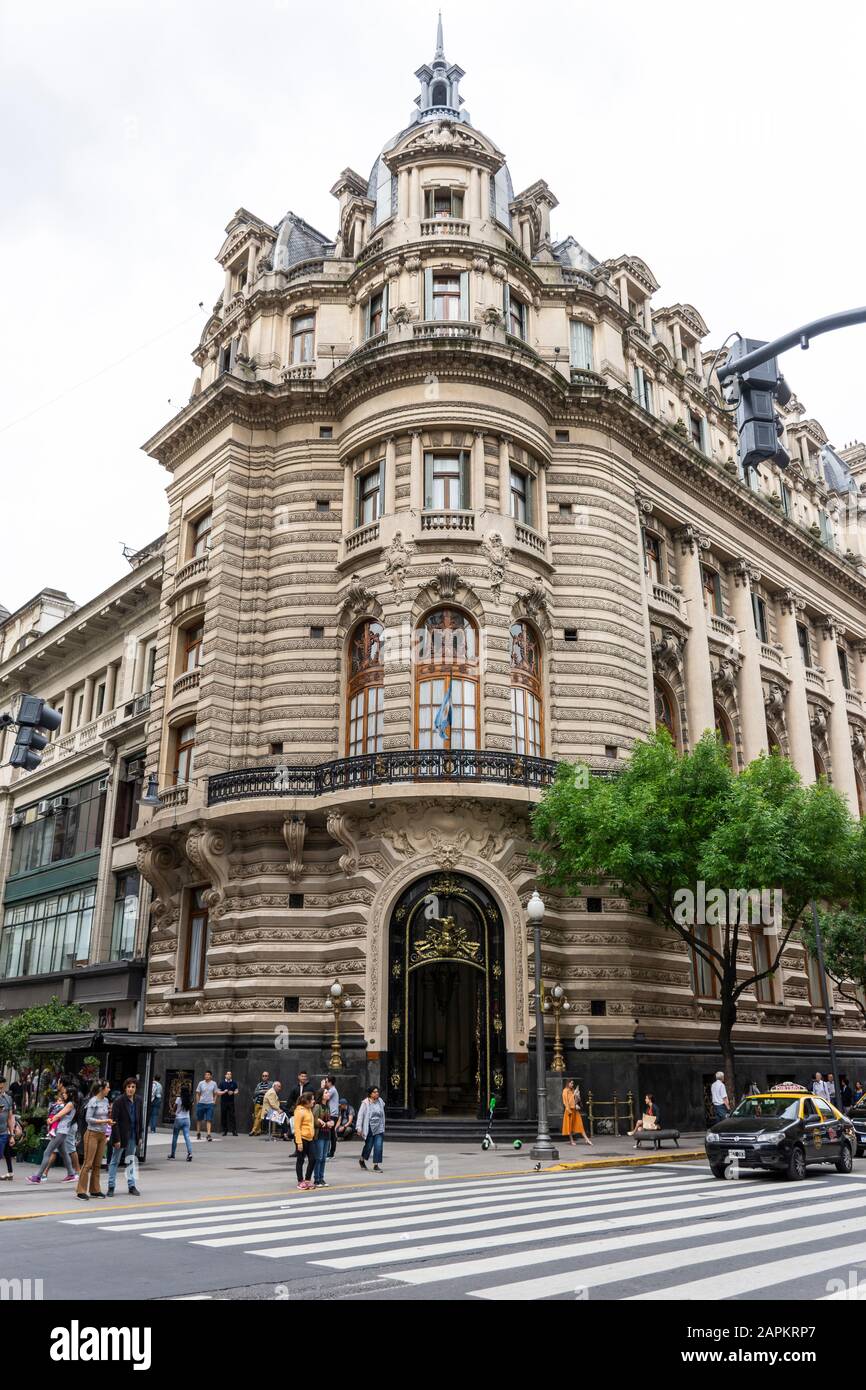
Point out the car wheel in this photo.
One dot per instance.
(797, 1164)
(717, 1170)
(846, 1160)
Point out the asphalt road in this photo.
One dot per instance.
(665, 1232)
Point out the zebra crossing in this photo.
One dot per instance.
(647, 1233)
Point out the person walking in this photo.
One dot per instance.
(371, 1127)
(258, 1102)
(322, 1139)
(61, 1113)
(126, 1132)
(820, 1087)
(182, 1107)
(272, 1110)
(205, 1095)
(333, 1103)
(155, 1103)
(96, 1135)
(305, 1133)
(572, 1119)
(7, 1128)
(846, 1092)
(227, 1092)
(719, 1097)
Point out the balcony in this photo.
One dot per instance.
(191, 572)
(172, 798)
(444, 226)
(363, 536)
(455, 329)
(723, 628)
(377, 769)
(89, 736)
(773, 656)
(524, 535)
(854, 700)
(664, 597)
(303, 371)
(185, 683)
(815, 680)
(448, 521)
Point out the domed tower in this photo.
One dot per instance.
(405, 578)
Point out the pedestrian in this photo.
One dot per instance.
(227, 1091)
(96, 1135)
(649, 1119)
(272, 1110)
(572, 1119)
(7, 1127)
(324, 1124)
(719, 1097)
(300, 1088)
(60, 1115)
(820, 1087)
(333, 1102)
(858, 1092)
(305, 1133)
(205, 1095)
(345, 1126)
(371, 1127)
(258, 1102)
(182, 1107)
(846, 1093)
(155, 1103)
(127, 1124)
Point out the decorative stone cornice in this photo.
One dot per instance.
(690, 539)
(743, 573)
(790, 602)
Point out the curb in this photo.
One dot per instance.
(629, 1161)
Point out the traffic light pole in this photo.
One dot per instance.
(797, 337)
(825, 999)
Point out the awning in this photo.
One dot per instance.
(99, 1041)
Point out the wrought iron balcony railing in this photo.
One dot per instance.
(372, 769)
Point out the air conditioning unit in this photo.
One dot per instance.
(60, 803)
(45, 808)
(17, 819)
(135, 770)
(103, 785)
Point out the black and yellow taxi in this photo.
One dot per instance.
(857, 1116)
(783, 1131)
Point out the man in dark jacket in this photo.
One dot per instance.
(126, 1130)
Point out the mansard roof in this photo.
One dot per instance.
(298, 241)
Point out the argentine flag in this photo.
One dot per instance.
(442, 722)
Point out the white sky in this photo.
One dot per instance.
(724, 144)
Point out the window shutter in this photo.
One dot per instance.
(465, 496)
(428, 481)
(530, 499)
(428, 294)
(381, 487)
(464, 295)
(357, 499)
(506, 306)
(367, 307)
(385, 307)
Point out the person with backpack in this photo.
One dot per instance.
(182, 1106)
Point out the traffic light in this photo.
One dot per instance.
(33, 715)
(755, 393)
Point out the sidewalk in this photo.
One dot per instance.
(246, 1168)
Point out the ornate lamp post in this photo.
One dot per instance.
(543, 1147)
(560, 1004)
(337, 1001)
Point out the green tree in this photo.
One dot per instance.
(669, 822)
(53, 1017)
(843, 936)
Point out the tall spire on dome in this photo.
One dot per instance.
(439, 83)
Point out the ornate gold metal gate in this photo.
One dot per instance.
(446, 956)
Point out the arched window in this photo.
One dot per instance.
(439, 95)
(726, 733)
(526, 696)
(446, 681)
(666, 716)
(364, 724)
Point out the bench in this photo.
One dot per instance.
(655, 1136)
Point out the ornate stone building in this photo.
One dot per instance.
(452, 501)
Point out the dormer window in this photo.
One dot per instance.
(443, 202)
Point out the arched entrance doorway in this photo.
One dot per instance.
(446, 1014)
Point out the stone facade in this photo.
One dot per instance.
(445, 410)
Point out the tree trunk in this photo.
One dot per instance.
(726, 1041)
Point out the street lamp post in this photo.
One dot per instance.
(338, 1002)
(825, 999)
(560, 1004)
(543, 1147)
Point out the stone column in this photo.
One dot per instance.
(390, 499)
(788, 607)
(475, 193)
(403, 193)
(859, 667)
(416, 474)
(66, 722)
(698, 672)
(110, 686)
(504, 477)
(414, 193)
(477, 478)
(539, 518)
(252, 257)
(87, 707)
(138, 669)
(348, 500)
(100, 936)
(844, 779)
(753, 723)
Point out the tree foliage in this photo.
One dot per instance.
(53, 1017)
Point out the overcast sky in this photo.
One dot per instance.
(724, 144)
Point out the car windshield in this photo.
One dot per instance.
(767, 1108)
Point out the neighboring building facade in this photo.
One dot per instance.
(75, 909)
(450, 503)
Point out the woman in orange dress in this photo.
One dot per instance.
(572, 1120)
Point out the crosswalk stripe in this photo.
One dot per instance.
(771, 1274)
(583, 1249)
(352, 1212)
(623, 1271)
